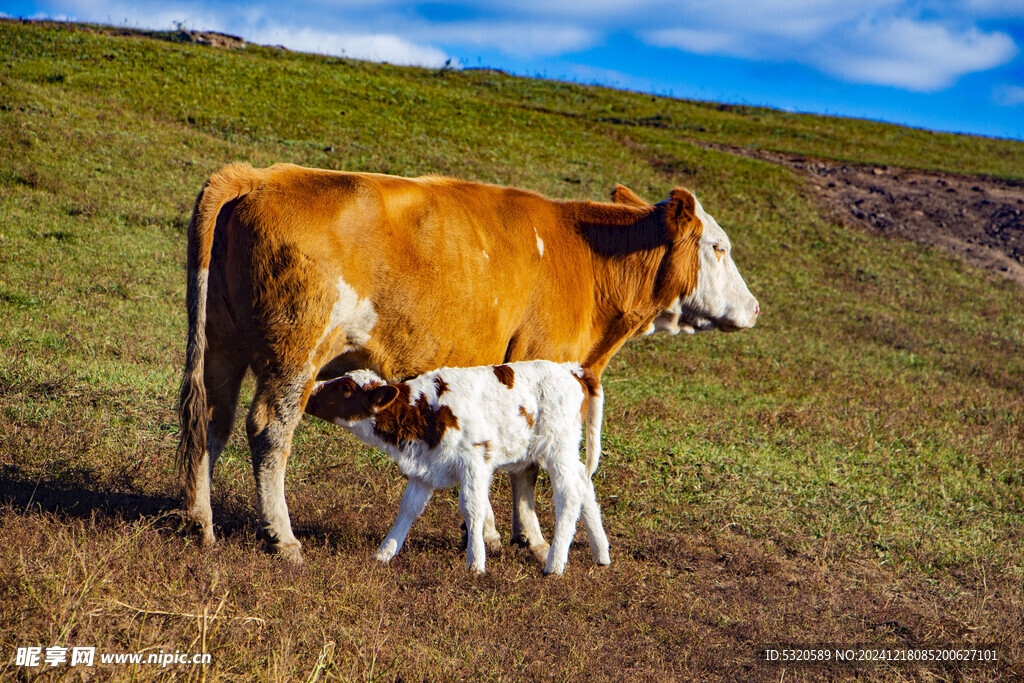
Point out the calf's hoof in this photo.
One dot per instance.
(554, 570)
(386, 551)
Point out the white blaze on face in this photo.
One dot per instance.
(721, 299)
(540, 242)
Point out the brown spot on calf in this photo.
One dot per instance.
(487, 450)
(526, 414)
(505, 375)
(590, 383)
(402, 422)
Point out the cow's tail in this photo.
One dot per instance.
(594, 406)
(224, 186)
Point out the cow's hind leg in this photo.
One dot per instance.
(275, 412)
(222, 376)
(525, 526)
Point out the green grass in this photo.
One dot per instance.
(853, 462)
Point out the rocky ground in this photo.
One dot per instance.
(979, 219)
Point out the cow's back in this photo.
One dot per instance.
(400, 275)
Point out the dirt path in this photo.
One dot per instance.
(977, 218)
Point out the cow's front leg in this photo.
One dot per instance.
(525, 526)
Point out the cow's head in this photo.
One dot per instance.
(717, 298)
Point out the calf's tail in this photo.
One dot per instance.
(594, 406)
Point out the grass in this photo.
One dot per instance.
(849, 471)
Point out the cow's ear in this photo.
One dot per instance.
(382, 397)
(623, 195)
(680, 211)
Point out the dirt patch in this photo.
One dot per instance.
(211, 38)
(977, 218)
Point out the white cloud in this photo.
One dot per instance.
(699, 41)
(913, 55)
(1009, 96)
(379, 47)
(258, 24)
(860, 42)
(522, 39)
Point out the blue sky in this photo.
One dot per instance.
(952, 65)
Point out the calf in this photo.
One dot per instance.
(458, 425)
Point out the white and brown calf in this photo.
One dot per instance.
(459, 425)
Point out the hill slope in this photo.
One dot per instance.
(848, 471)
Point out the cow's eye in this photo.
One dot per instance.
(719, 248)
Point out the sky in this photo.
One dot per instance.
(949, 65)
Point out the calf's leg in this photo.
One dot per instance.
(592, 521)
(474, 506)
(414, 502)
(525, 526)
(568, 498)
(492, 539)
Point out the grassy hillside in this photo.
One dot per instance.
(848, 471)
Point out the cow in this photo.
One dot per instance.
(458, 425)
(303, 274)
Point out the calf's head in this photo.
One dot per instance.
(343, 402)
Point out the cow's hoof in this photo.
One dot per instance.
(541, 552)
(291, 553)
(493, 544)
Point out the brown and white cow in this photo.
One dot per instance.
(302, 274)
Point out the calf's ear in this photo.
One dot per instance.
(382, 397)
(680, 212)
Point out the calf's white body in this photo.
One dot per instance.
(459, 425)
